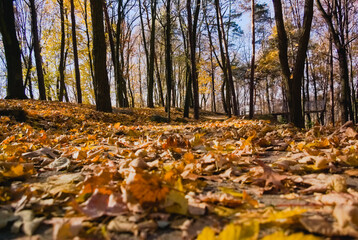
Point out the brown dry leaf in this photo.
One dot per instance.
(338, 199)
(101, 179)
(271, 178)
(346, 215)
(103, 203)
(66, 228)
(320, 225)
(61, 163)
(49, 152)
(223, 199)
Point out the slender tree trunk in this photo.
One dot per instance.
(88, 46)
(150, 87)
(252, 73)
(334, 18)
(140, 80)
(331, 78)
(227, 105)
(121, 89)
(144, 40)
(28, 73)
(113, 53)
(213, 101)
(37, 49)
(75, 53)
(230, 82)
(307, 100)
(103, 102)
(159, 82)
(188, 79)
(168, 58)
(346, 104)
(192, 27)
(268, 96)
(62, 65)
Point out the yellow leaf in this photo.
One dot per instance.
(231, 192)
(230, 232)
(207, 234)
(117, 125)
(15, 171)
(189, 157)
(176, 203)
(280, 235)
(224, 211)
(250, 230)
(285, 214)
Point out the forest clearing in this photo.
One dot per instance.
(69, 171)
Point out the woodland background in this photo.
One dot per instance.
(200, 54)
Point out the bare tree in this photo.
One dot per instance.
(37, 50)
(293, 83)
(75, 53)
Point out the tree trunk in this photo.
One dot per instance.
(144, 40)
(345, 101)
(103, 102)
(331, 78)
(75, 53)
(28, 73)
(334, 18)
(62, 65)
(88, 46)
(294, 83)
(221, 34)
(15, 86)
(121, 90)
(252, 73)
(188, 83)
(150, 101)
(168, 57)
(37, 49)
(213, 102)
(230, 82)
(192, 27)
(268, 96)
(159, 81)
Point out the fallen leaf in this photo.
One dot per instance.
(103, 203)
(66, 228)
(320, 225)
(271, 178)
(176, 202)
(207, 234)
(145, 188)
(61, 163)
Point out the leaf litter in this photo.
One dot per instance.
(69, 171)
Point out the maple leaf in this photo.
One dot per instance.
(271, 178)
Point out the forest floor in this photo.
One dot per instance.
(69, 171)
